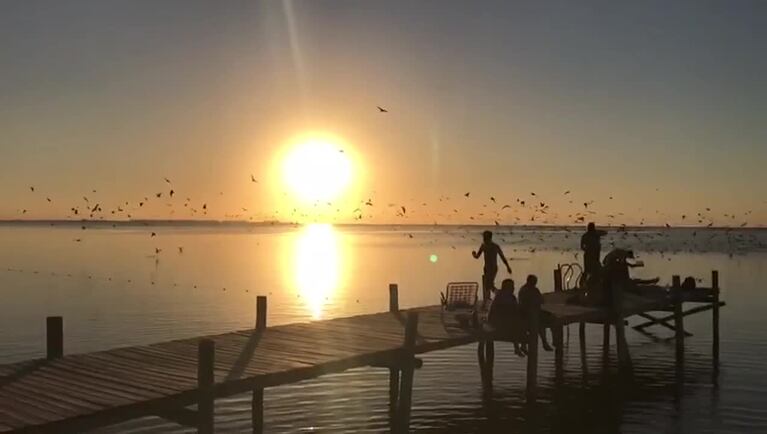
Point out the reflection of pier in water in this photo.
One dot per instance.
(78, 392)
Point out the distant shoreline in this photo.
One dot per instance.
(240, 223)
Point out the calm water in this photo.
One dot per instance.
(114, 288)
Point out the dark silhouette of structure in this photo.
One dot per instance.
(492, 251)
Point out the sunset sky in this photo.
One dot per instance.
(661, 105)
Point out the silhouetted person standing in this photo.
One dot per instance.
(529, 296)
(492, 251)
(591, 244)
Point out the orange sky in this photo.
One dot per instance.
(644, 107)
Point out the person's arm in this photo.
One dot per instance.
(503, 258)
(583, 243)
(601, 233)
(478, 253)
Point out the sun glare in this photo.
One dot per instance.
(317, 169)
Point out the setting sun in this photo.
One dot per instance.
(317, 169)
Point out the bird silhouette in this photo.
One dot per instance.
(382, 110)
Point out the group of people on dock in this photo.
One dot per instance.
(509, 312)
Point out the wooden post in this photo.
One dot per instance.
(676, 298)
(582, 342)
(489, 362)
(206, 351)
(408, 367)
(482, 362)
(257, 402)
(624, 357)
(393, 297)
(260, 312)
(532, 352)
(393, 389)
(715, 318)
(557, 337)
(54, 337)
(557, 332)
(257, 411)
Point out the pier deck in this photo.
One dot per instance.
(77, 392)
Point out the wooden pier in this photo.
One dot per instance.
(74, 393)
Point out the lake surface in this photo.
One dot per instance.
(122, 286)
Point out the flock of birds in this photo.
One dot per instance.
(447, 214)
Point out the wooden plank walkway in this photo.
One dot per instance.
(78, 392)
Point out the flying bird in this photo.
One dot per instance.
(252, 178)
(381, 109)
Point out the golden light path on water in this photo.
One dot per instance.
(319, 259)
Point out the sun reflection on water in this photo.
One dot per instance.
(318, 265)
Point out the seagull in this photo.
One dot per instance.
(381, 109)
(252, 178)
(32, 188)
(167, 180)
(467, 194)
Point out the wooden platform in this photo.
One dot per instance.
(82, 391)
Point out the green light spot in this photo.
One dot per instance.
(433, 258)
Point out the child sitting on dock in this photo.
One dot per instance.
(504, 316)
(529, 296)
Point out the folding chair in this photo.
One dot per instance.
(460, 295)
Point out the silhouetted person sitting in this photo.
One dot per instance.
(504, 316)
(530, 296)
(492, 251)
(591, 244)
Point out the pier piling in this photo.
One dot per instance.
(582, 342)
(624, 357)
(606, 341)
(257, 411)
(393, 297)
(676, 297)
(715, 317)
(206, 350)
(557, 332)
(260, 312)
(257, 402)
(532, 353)
(54, 334)
(408, 369)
